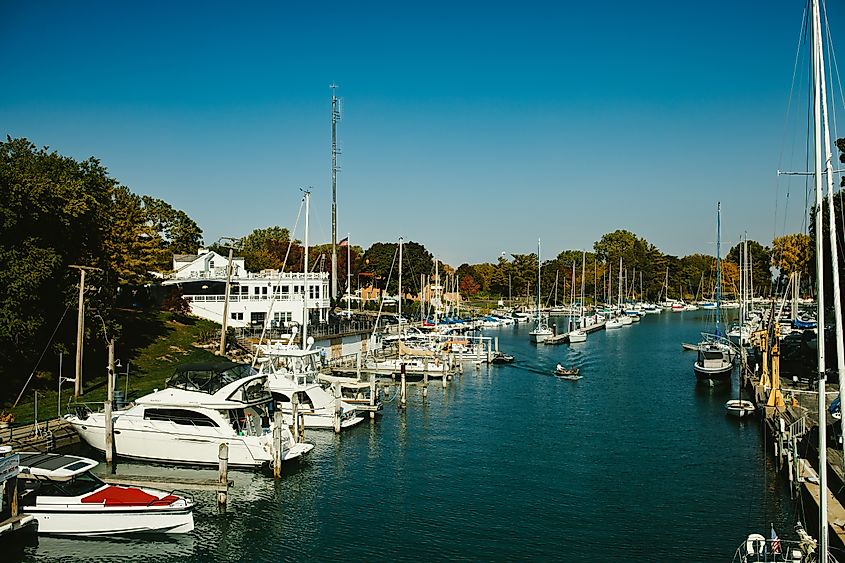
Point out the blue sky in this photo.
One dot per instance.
(473, 128)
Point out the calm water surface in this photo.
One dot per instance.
(634, 462)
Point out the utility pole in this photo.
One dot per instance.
(335, 117)
(226, 304)
(225, 319)
(108, 408)
(80, 327)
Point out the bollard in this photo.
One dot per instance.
(223, 477)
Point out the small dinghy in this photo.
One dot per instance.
(570, 374)
(502, 358)
(739, 408)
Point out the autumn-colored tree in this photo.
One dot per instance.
(469, 286)
(793, 253)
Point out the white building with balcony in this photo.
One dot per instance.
(269, 298)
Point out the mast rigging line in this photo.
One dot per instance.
(281, 271)
(41, 357)
(802, 35)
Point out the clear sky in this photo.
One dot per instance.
(472, 128)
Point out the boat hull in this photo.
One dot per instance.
(720, 373)
(739, 408)
(134, 440)
(577, 336)
(104, 520)
(538, 337)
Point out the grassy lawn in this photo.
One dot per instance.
(151, 346)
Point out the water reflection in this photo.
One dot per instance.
(111, 549)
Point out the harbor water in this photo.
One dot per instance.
(635, 462)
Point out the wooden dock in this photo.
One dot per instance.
(167, 484)
(791, 424)
(564, 337)
(47, 436)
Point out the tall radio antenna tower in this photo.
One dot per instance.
(335, 119)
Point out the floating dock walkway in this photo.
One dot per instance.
(564, 338)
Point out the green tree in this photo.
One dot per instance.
(381, 259)
(265, 249)
(56, 212)
(761, 262)
(179, 234)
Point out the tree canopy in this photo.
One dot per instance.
(56, 212)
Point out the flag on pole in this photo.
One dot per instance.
(344, 242)
(775, 541)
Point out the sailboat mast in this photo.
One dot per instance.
(335, 116)
(834, 251)
(620, 282)
(400, 286)
(538, 283)
(305, 270)
(818, 68)
(348, 276)
(583, 284)
(718, 267)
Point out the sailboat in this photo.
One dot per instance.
(822, 171)
(579, 334)
(715, 360)
(541, 331)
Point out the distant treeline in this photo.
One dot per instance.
(57, 213)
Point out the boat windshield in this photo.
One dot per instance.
(81, 484)
(208, 378)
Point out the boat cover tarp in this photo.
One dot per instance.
(127, 496)
(420, 352)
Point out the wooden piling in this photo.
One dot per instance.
(425, 384)
(337, 414)
(358, 365)
(278, 425)
(294, 401)
(373, 392)
(223, 476)
(403, 390)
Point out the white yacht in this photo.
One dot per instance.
(292, 372)
(203, 406)
(67, 499)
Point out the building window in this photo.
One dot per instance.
(237, 316)
(285, 290)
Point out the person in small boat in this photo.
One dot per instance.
(559, 368)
